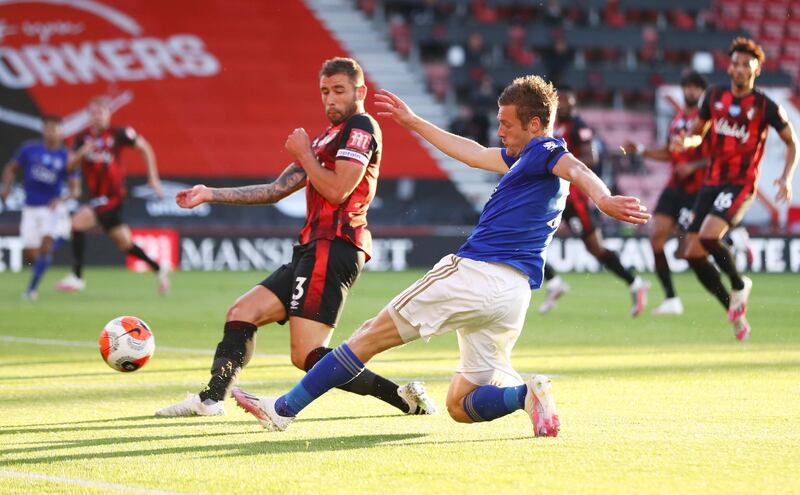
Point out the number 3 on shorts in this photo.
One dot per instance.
(724, 201)
(298, 290)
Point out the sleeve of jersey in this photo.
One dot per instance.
(127, 136)
(21, 156)
(358, 144)
(553, 157)
(77, 143)
(776, 115)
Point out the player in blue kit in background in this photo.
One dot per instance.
(45, 224)
(484, 290)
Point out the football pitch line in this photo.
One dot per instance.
(87, 483)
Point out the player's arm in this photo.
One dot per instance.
(625, 208)
(695, 137)
(293, 178)
(784, 182)
(462, 149)
(75, 158)
(9, 172)
(153, 180)
(334, 185)
(661, 154)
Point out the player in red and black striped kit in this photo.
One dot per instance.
(339, 169)
(578, 213)
(734, 120)
(674, 207)
(98, 151)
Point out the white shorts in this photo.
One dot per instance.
(485, 303)
(39, 222)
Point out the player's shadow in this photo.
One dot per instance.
(144, 422)
(271, 444)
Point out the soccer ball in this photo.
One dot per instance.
(127, 343)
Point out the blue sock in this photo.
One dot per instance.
(489, 402)
(42, 263)
(337, 368)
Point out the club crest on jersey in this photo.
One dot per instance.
(359, 140)
(734, 110)
(718, 105)
(750, 113)
(550, 145)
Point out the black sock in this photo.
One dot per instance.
(139, 253)
(724, 258)
(610, 260)
(549, 273)
(78, 242)
(709, 277)
(664, 274)
(366, 383)
(229, 359)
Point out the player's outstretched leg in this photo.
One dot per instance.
(74, 281)
(233, 352)
(410, 398)
(638, 286)
(555, 287)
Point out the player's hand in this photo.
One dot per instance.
(392, 106)
(784, 190)
(189, 198)
(53, 204)
(298, 143)
(625, 208)
(677, 144)
(155, 185)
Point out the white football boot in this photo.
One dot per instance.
(263, 408)
(639, 289)
(192, 406)
(414, 394)
(541, 407)
(738, 303)
(741, 328)
(670, 306)
(70, 283)
(556, 288)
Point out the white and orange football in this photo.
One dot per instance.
(127, 343)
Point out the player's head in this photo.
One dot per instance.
(99, 112)
(341, 83)
(526, 110)
(746, 59)
(693, 84)
(51, 130)
(566, 102)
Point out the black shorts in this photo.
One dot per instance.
(108, 219)
(727, 201)
(676, 204)
(578, 215)
(316, 282)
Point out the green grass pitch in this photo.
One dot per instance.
(650, 405)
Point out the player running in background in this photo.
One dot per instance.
(98, 150)
(578, 215)
(339, 170)
(44, 225)
(484, 290)
(674, 207)
(735, 120)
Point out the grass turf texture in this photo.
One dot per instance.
(648, 405)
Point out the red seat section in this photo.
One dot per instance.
(216, 87)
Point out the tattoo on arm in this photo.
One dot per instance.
(292, 179)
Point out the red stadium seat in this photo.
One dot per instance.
(772, 28)
(753, 10)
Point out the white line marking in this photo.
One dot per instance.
(90, 483)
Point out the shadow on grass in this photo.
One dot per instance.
(270, 445)
(143, 422)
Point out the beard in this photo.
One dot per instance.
(337, 117)
(691, 102)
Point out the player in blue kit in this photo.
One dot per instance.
(483, 291)
(45, 220)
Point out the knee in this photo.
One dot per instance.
(299, 358)
(657, 242)
(709, 243)
(238, 313)
(456, 411)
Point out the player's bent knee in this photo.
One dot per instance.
(456, 411)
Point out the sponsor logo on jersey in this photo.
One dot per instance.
(724, 127)
(359, 140)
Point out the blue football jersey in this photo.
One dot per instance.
(524, 211)
(44, 172)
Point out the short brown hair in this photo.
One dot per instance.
(342, 65)
(533, 97)
(746, 45)
(101, 101)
